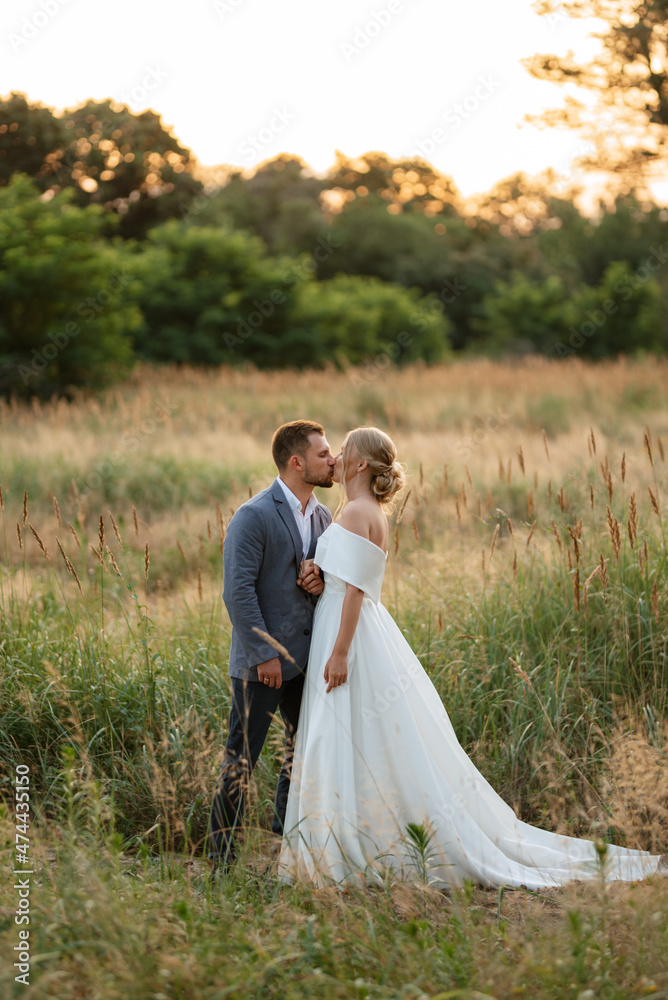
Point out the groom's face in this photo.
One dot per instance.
(318, 462)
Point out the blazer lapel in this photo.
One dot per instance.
(317, 528)
(288, 519)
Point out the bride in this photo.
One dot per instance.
(379, 782)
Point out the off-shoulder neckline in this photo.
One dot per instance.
(335, 524)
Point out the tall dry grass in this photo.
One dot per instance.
(528, 571)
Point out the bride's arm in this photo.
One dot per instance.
(336, 668)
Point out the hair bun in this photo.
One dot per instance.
(387, 481)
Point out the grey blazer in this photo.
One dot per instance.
(261, 557)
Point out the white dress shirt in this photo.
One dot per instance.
(303, 521)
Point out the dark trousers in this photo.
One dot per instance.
(253, 706)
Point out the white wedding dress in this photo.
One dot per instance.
(379, 753)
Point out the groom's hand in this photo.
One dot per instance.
(309, 578)
(269, 673)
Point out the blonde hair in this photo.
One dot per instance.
(380, 452)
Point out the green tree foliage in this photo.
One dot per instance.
(406, 185)
(29, 133)
(128, 163)
(622, 314)
(280, 203)
(65, 316)
(522, 316)
(628, 76)
(354, 319)
(400, 248)
(212, 296)
(625, 311)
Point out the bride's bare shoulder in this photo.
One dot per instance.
(363, 517)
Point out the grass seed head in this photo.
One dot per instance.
(25, 507)
(114, 563)
(115, 529)
(647, 440)
(76, 537)
(99, 556)
(39, 542)
(655, 502)
(70, 568)
(632, 523)
(18, 532)
(615, 532)
(655, 602)
(603, 571)
(403, 505)
(531, 507)
(547, 450)
(56, 510)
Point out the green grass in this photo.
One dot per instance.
(118, 701)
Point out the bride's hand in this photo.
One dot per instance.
(336, 670)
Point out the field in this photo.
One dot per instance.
(528, 569)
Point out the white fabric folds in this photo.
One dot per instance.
(379, 753)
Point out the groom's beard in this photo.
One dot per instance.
(326, 479)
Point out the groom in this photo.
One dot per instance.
(267, 539)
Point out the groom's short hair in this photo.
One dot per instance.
(293, 439)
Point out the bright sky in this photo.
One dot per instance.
(243, 80)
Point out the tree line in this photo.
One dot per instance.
(115, 247)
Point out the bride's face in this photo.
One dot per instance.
(351, 460)
(338, 467)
